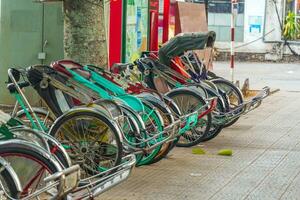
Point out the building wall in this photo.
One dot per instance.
(260, 13)
(253, 29)
(271, 20)
(219, 20)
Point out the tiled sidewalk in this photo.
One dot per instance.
(265, 163)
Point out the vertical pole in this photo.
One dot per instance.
(153, 31)
(43, 31)
(124, 30)
(206, 10)
(154, 14)
(166, 20)
(233, 12)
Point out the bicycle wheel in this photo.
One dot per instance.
(168, 119)
(9, 182)
(42, 114)
(176, 113)
(29, 135)
(189, 101)
(91, 139)
(45, 141)
(233, 94)
(215, 128)
(140, 135)
(153, 125)
(30, 163)
(131, 131)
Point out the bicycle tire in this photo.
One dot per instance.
(215, 129)
(55, 148)
(27, 151)
(9, 182)
(155, 116)
(176, 113)
(166, 147)
(130, 135)
(40, 113)
(93, 114)
(200, 136)
(218, 82)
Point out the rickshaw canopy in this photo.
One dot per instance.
(183, 42)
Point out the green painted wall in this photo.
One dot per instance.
(24, 28)
(53, 32)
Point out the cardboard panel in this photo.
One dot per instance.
(190, 17)
(206, 56)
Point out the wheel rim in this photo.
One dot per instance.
(232, 95)
(166, 146)
(153, 126)
(30, 171)
(45, 119)
(90, 143)
(188, 104)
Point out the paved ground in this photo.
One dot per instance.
(266, 159)
(277, 75)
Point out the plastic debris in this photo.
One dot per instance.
(195, 174)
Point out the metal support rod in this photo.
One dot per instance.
(166, 20)
(206, 10)
(233, 13)
(19, 90)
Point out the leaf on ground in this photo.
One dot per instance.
(225, 152)
(198, 151)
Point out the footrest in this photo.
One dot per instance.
(102, 182)
(247, 106)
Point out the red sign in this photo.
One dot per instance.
(115, 32)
